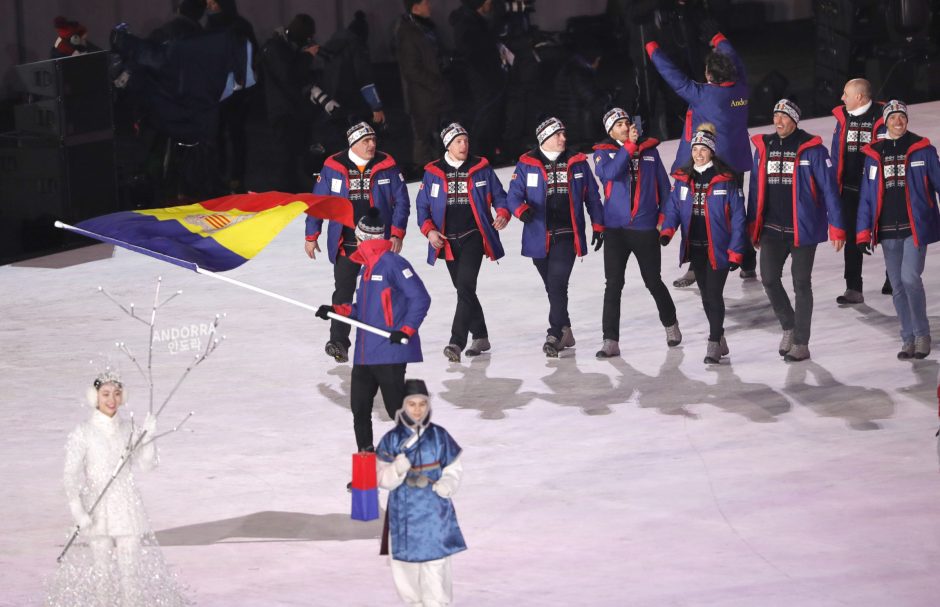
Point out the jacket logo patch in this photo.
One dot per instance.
(683, 192)
(336, 185)
(805, 163)
(577, 176)
(407, 273)
(828, 163)
(649, 159)
(376, 277)
(612, 154)
(719, 192)
(917, 163)
(384, 181)
(872, 173)
(532, 180)
(479, 184)
(435, 190)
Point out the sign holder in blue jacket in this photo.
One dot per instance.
(387, 193)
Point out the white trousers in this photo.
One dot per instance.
(426, 584)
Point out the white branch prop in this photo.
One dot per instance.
(170, 431)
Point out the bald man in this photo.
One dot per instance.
(858, 123)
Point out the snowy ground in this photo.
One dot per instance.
(647, 480)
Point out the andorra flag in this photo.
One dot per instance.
(215, 235)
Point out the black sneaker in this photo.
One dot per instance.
(886, 288)
(338, 351)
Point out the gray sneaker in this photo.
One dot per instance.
(478, 346)
(850, 297)
(786, 342)
(452, 352)
(686, 280)
(567, 338)
(713, 353)
(907, 351)
(551, 346)
(338, 351)
(921, 346)
(724, 346)
(610, 349)
(673, 335)
(747, 274)
(797, 353)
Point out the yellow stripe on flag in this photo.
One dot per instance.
(242, 232)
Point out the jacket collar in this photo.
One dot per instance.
(370, 251)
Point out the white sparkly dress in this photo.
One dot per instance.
(116, 561)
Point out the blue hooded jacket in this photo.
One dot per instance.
(631, 201)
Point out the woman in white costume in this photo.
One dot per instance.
(116, 561)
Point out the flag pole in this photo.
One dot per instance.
(192, 266)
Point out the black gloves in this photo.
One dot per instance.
(664, 240)
(527, 216)
(865, 248)
(733, 266)
(322, 310)
(597, 240)
(397, 337)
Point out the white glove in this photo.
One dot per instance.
(402, 464)
(319, 97)
(83, 520)
(150, 425)
(445, 486)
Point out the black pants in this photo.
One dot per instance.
(464, 270)
(773, 254)
(853, 257)
(644, 244)
(292, 137)
(711, 286)
(366, 382)
(749, 263)
(555, 270)
(345, 273)
(233, 116)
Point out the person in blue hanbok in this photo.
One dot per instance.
(419, 464)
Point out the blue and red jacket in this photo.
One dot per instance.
(486, 193)
(390, 296)
(527, 190)
(387, 193)
(922, 178)
(814, 220)
(724, 218)
(837, 149)
(631, 201)
(724, 105)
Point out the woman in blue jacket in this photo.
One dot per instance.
(708, 204)
(455, 212)
(898, 209)
(548, 192)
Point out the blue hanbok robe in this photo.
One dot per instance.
(422, 525)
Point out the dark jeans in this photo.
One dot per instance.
(464, 270)
(749, 263)
(711, 286)
(555, 270)
(644, 244)
(345, 273)
(366, 382)
(853, 257)
(773, 254)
